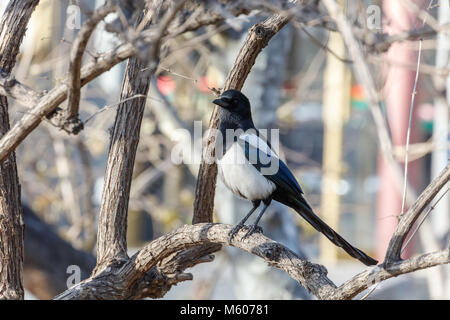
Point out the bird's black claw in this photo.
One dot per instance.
(234, 231)
(252, 229)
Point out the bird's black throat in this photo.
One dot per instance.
(231, 125)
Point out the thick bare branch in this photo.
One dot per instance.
(12, 30)
(112, 285)
(111, 239)
(47, 258)
(115, 282)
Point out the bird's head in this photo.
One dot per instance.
(235, 102)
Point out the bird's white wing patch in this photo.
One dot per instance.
(257, 142)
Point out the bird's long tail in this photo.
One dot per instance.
(301, 206)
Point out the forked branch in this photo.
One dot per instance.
(70, 121)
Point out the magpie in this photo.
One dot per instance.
(245, 161)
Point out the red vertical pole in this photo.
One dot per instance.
(399, 84)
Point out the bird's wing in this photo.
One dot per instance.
(259, 153)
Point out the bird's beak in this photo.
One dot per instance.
(222, 102)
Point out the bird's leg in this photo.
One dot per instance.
(255, 226)
(241, 223)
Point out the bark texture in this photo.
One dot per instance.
(137, 272)
(12, 30)
(112, 243)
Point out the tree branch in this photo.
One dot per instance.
(43, 106)
(114, 283)
(111, 285)
(71, 123)
(408, 219)
(111, 236)
(111, 239)
(12, 30)
(381, 42)
(374, 275)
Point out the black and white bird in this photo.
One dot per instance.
(244, 167)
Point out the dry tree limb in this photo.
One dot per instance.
(111, 236)
(373, 275)
(70, 121)
(257, 39)
(12, 30)
(43, 105)
(408, 219)
(379, 43)
(132, 277)
(115, 282)
(47, 258)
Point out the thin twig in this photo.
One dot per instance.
(320, 44)
(166, 20)
(44, 104)
(364, 75)
(409, 218)
(109, 106)
(431, 208)
(370, 291)
(424, 15)
(411, 111)
(76, 55)
(213, 90)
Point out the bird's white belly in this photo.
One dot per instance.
(242, 177)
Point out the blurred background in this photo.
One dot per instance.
(327, 137)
